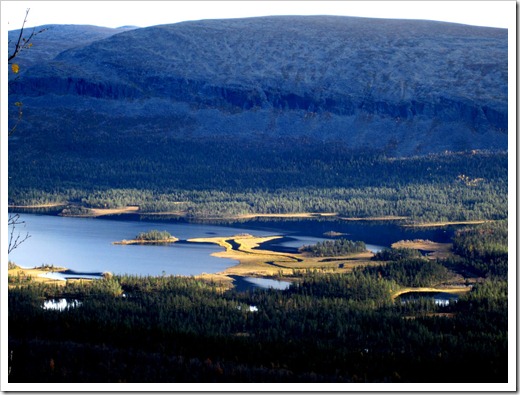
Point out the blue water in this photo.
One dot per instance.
(85, 244)
(439, 298)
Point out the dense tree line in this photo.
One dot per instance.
(409, 268)
(362, 287)
(396, 254)
(483, 249)
(153, 235)
(485, 242)
(325, 328)
(217, 179)
(412, 272)
(335, 247)
(420, 203)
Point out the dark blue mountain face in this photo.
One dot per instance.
(403, 87)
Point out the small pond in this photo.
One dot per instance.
(439, 298)
(60, 304)
(246, 283)
(71, 275)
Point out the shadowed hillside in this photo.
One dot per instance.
(50, 40)
(402, 86)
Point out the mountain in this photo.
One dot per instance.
(265, 102)
(50, 40)
(404, 87)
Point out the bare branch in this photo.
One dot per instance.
(18, 119)
(15, 238)
(22, 42)
(17, 47)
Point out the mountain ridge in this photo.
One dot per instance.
(52, 39)
(399, 86)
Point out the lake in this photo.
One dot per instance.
(85, 244)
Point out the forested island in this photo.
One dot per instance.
(150, 237)
(336, 247)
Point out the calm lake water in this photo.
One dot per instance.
(85, 244)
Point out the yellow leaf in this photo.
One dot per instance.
(15, 68)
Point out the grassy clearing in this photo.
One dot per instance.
(382, 218)
(254, 262)
(286, 215)
(99, 212)
(434, 250)
(445, 223)
(450, 290)
(18, 276)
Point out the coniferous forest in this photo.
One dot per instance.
(343, 126)
(326, 327)
(220, 179)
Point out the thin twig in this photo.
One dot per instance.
(15, 239)
(22, 42)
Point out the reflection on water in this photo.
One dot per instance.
(69, 275)
(439, 298)
(247, 283)
(251, 308)
(85, 244)
(60, 304)
(268, 283)
(374, 248)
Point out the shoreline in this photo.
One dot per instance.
(433, 249)
(261, 263)
(36, 206)
(449, 290)
(381, 218)
(98, 212)
(162, 241)
(447, 223)
(253, 262)
(36, 274)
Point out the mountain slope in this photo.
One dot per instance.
(400, 86)
(50, 40)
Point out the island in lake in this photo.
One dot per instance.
(150, 237)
